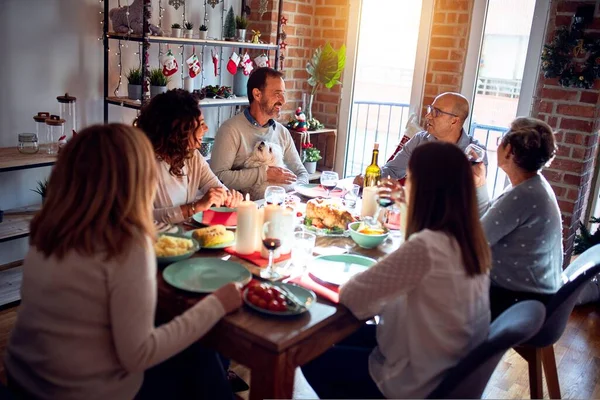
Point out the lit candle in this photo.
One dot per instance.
(369, 201)
(273, 213)
(247, 218)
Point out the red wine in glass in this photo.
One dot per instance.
(329, 185)
(271, 243)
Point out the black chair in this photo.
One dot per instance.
(539, 350)
(468, 379)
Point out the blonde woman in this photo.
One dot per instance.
(85, 328)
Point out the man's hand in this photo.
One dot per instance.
(215, 195)
(234, 198)
(280, 175)
(479, 174)
(359, 180)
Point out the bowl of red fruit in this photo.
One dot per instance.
(280, 299)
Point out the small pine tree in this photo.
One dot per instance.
(229, 28)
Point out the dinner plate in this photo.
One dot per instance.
(313, 190)
(198, 216)
(339, 268)
(307, 297)
(172, 259)
(205, 275)
(189, 234)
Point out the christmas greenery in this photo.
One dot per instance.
(585, 239)
(311, 153)
(229, 27)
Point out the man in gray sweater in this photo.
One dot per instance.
(235, 139)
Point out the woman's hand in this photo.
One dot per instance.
(234, 198)
(479, 174)
(215, 195)
(392, 189)
(230, 296)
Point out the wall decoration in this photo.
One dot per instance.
(262, 7)
(176, 3)
(213, 3)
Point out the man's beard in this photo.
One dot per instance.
(270, 111)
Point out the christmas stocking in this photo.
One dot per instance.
(169, 64)
(262, 61)
(246, 63)
(233, 63)
(193, 66)
(215, 61)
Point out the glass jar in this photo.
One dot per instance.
(28, 143)
(55, 128)
(40, 126)
(67, 111)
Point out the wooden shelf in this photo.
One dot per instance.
(194, 41)
(136, 104)
(15, 223)
(10, 287)
(11, 159)
(322, 139)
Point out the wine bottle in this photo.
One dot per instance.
(373, 172)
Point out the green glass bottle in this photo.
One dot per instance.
(373, 172)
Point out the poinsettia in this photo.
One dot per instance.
(310, 153)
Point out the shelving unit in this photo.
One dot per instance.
(11, 159)
(146, 39)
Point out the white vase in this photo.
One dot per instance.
(203, 34)
(311, 166)
(188, 33)
(176, 32)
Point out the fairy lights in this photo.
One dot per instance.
(101, 12)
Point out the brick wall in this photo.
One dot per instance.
(575, 114)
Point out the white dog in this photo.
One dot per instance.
(264, 154)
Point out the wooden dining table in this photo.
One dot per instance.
(272, 347)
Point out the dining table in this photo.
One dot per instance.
(272, 347)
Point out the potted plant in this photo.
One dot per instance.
(586, 239)
(229, 26)
(158, 82)
(42, 189)
(241, 23)
(134, 87)
(189, 30)
(203, 31)
(176, 30)
(310, 156)
(324, 69)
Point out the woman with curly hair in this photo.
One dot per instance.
(175, 125)
(523, 225)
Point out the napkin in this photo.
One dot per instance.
(210, 217)
(255, 257)
(330, 292)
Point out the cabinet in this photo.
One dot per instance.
(324, 140)
(146, 39)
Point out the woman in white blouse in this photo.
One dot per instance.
(85, 327)
(175, 125)
(431, 293)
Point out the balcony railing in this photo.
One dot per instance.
(384, 123)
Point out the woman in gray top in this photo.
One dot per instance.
(523, 225)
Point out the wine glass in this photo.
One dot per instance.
(384, 199)
(275, 195)
(271, 238)
(329, 180)
(474, 153)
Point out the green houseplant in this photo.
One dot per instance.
(41, 188)
(158, 82)
(134, 86)
(203, 31)
(324, 69)
(241, 23)
(176, 30)
(310, 156)
(189, 30)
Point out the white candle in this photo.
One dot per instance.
(287, 222)
(260, 219)
(369, 201)
(272, 213)
(247, 218)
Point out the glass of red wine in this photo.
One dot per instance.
(474, 153)
(271, 238)
(384, 199)
(275, 195)
(329, 180)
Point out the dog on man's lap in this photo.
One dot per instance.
(265, 154)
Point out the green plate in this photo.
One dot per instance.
(172, 259)
(205, 275)
(337, 269)
(307, 297)
(188, 234)
(198, 216)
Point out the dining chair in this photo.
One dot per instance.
(468, 379)
(539, 350)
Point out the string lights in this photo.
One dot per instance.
(101, 19)
(120, 65)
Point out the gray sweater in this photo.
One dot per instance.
(235, 142)
(524, 229)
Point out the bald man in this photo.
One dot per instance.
(444, 121)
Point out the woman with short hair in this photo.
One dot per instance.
(85, 326)
(523, 225)
(431, 294)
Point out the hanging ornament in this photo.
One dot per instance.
(176, 3)
(262, 7)
(213, 3)
(193, 65)
(262, 61)
(284, 20)
(282, 45)
(215, 61)
(233, 63)
(169, 64)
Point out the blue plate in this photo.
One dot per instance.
(172, 259)
(205, 275)
(338, 268)
(307, 297)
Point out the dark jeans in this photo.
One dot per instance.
(195, 373)
(501, 299)
(343, 371)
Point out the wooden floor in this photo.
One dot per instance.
(577, 356)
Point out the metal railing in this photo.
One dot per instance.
(499, 87)
(384, 123)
